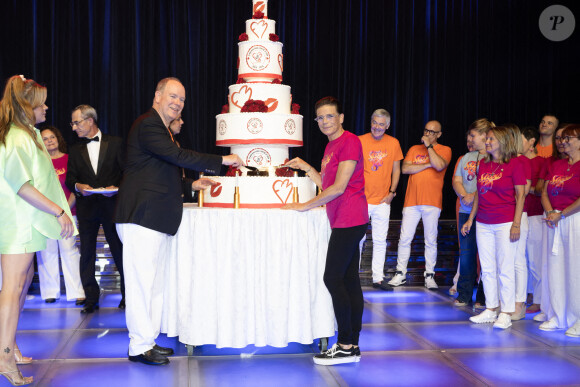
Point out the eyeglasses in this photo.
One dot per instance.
(567, 138)
(557, 138)
(427, 131)
(329, 117)
(72, 124)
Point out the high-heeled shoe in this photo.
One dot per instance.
(21, 359)
(23, 382)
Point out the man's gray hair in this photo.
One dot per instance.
(381, 113)
(87, 111)
(162, 83)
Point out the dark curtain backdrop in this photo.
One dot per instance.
(450, 60)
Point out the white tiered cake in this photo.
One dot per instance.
(261, 139)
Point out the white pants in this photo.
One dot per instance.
(49, 273)
(497, 258)
(547, 241)
(380, 215)
(411, 217)
(534, 255)
(564, 271)
(143, 253)
(521, 264)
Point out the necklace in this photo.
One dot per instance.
(498, 165)
(570, 165)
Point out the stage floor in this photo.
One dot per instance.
(411, 337)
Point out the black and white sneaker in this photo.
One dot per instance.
(357, 353)
(337, 355)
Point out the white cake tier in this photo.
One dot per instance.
(258, 128)
(260, 29)
(277, 97)
(260, 60)
(260, 156)
(258, 191)
(260, 5)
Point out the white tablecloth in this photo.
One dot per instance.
(236, 277)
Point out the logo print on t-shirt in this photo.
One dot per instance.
(486, 180)
(325, 161)
(556, 185)
(376, 159)
(471, 169)
(60, 171)
(421, 159)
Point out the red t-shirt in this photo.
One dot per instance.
(527, 167)
(496, 190)
(60, 168)
(563, 184)
(349, 209)
(533, 204)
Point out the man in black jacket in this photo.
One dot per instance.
(95, 162)
(149, 211)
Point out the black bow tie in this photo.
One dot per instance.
(87, 140)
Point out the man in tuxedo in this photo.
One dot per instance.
(149, 211)
(95, 162)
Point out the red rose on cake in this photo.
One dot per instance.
(225, 109)
(295, 108)
(232, 171)
(258, 15)
(243, 37)
(276, 81)
(274, 37)
(254, 106)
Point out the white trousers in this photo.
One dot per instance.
(547, 241)
(497, 258)
(49, 272)
(380, 215)
(411, 217)
(564, 271)
(534, 255)
(521, 263)
(143, 253)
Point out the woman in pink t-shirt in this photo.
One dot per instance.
(561, 201)
(342, 180)
(48, 270)
(498, 204)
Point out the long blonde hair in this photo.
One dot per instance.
(17, 106)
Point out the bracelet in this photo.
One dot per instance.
(393, 192)
(430, 146)
(307, 172)
(515, 225)
(59, 215)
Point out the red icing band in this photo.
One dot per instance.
(258, 141)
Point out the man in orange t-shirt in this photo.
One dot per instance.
(547, 128)
(426, 163)
(382, 162)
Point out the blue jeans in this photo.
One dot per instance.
(467, 261)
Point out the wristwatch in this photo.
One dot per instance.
(430, 146)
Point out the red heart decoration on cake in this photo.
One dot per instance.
(258, 159)
(240, 97)
(215, 190)
(259, 28)
(284, 187)
(259, 6)
(280, 60)
(272, 104)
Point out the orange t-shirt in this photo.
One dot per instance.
(426, 187)
(544, 151)
(379, 156)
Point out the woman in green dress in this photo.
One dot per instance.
(32, 205)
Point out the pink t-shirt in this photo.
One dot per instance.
(533, 204)
(563, 184)
(496, 191)
(349, 209)
(60, 168)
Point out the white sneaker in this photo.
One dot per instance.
(398, 280)
(487, 316)
(430, 281)
(574, 330)
(550, 325)
(503, 321)
(540, 317)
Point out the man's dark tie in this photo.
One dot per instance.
(87, 140)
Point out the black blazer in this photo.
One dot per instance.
(109, 170)
(151, 188)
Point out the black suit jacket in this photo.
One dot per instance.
(151, 189)
(109, 171)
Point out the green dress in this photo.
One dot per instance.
(24, 228)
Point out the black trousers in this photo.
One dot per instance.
(342, 281)
(100, 212)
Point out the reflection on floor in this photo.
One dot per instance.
(411, 337)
